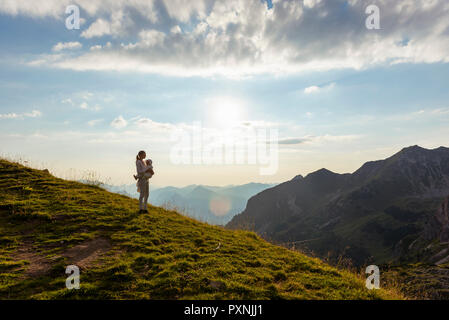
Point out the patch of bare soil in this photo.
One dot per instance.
(87, 253)
(83, 255)
(37, 266)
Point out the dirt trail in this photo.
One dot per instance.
(38, 265)
(83, 255)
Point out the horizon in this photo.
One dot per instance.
(77, 175)
(299, 85)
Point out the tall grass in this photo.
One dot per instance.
(89, 177)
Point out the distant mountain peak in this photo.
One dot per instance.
(417, 151)
(414, 148)
(321, 172)
(202, 189)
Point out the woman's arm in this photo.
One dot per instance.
(141, 167)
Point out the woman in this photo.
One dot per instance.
(142, 182)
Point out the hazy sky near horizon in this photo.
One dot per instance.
(338, 93)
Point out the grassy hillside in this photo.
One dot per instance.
(48, 223)
(419, 281)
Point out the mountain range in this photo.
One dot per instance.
(388, 210)
(212, 204)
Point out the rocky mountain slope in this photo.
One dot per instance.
(385, 211)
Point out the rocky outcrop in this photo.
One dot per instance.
(438, 225)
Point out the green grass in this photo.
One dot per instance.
(418, 280)
(160, 255)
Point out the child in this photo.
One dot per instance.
(148, 174)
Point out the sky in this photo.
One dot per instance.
(298, 85)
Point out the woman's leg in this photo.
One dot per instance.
(146, 194)
(142, 195)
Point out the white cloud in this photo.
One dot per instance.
(86, 100)
(316, 89)
(66, 45)
(428, 113)
(85, 106)
(119, 123)
(440, 111)
(87, 95)
(13, 115)
(153, 125)
(67, 101)
(33, 114)
(311, 89)
(311, 3)
(240, 37)
(96, 47)
(97, 29)
(176, 29)
(321, 139)
(38, 9)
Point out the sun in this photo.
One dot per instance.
(225, 112)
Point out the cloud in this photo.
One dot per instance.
(47, 8)
(440, 111)
(118, 24)
(67, 101)
(32, 114)
(87, 95)
(316, 89)
(66, 45)
(240, 37)
(311, 89)
(288, 141)
(311, 139)
(154, 125)
(119, 123)
(85, 100)
(97, 29)
(419, 115)
(311, 3)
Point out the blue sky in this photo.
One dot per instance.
(338, 94)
